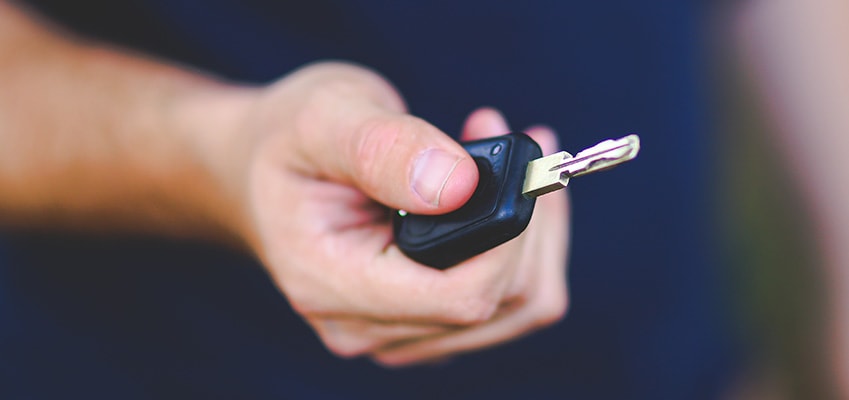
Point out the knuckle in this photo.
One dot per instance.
(300, 299)
(309, 304)
(387, 361)
(551, 310)
(473, 298)
(342, 70)
(475, 311)
(303, 308)
(322, 100)
(383, 141)
(344, 346)
(351, 81)
(343, 351)
(376, 138)
(370, 82)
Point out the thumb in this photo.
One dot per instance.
(358, 133)
(406, 163)
(402, 161)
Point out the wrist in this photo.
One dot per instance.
(210, 121)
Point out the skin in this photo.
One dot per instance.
(299, 173)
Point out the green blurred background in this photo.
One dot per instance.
(772, 261)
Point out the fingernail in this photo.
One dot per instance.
(431, 173)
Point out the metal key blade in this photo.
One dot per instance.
(553, 172)
(602, 156)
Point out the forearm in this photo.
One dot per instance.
(91, 137)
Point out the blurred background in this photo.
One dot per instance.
(776, 266)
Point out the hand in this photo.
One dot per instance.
(323, 151)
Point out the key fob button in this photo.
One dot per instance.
(495, 213)
(420, 227)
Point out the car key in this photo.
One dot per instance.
(512, 174)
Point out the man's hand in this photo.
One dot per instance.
(299, 172)
(328, 147)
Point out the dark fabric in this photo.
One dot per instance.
(148, 318)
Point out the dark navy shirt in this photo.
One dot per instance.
(107, 317)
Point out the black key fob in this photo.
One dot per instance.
(496, 212)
